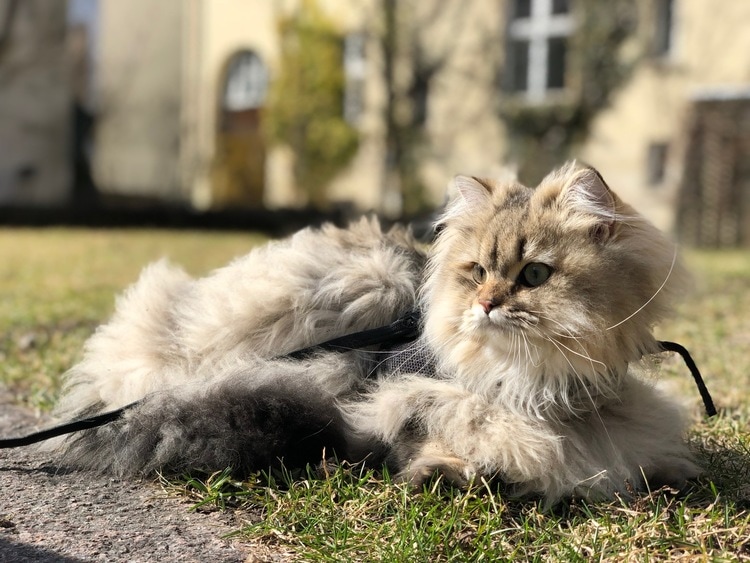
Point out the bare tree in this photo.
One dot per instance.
(405, 38)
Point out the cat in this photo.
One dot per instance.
(538, 307)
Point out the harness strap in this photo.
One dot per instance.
(401, 330)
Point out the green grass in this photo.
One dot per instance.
(57, 285)
(350, 515)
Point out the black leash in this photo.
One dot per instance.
(403, 329)
(66, 428)
(708, 402)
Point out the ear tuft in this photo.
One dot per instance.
(587, 192)
(475, 193)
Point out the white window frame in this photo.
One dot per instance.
(246, 82)
(538, 29)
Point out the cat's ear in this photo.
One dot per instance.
(586, 191)
(474, 192)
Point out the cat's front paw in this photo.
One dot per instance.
(454, 470)
(433, 461)
(675, 472)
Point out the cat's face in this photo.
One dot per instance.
(562, 277)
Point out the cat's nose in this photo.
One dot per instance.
(487, 305)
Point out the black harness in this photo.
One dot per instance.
(404, 329)
(391, 340)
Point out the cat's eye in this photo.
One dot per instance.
(534, 274)
(478, 274)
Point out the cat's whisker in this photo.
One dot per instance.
(513, 356)
(585, 386)
(568, 332)
(582, 355)
(518, 352)
(528, 352)
(558, 345)
(660, 288)
(521, 351)
(578, 341)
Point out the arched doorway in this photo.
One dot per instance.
(239, 171)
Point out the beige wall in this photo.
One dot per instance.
(34, 105)
(363, 181)
(138, 136)
(466, 136)
(711, 50)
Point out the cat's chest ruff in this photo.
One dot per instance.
(538, 384)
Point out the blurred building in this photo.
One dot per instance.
(182, 86)
(179, 88)
(676, 139)
(35, 104)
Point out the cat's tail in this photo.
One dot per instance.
(134, 353)
(251, 417)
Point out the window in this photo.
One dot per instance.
(538, 34)
(247, 82)
(522, 9)
(556, 51)
(518, 57)
(354, 74)
(656, 164)
(560, 7)
(663, 31)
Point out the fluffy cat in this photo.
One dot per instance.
(538, 306)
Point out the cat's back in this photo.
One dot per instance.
(288, 294)
(315, 285)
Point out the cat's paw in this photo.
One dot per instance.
(433, 461)
(454, 470)
(675, 472)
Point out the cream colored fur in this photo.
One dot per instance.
(169, 329)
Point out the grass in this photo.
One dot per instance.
(360, 516)
(57, 285)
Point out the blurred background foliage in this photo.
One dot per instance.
(305, 101)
